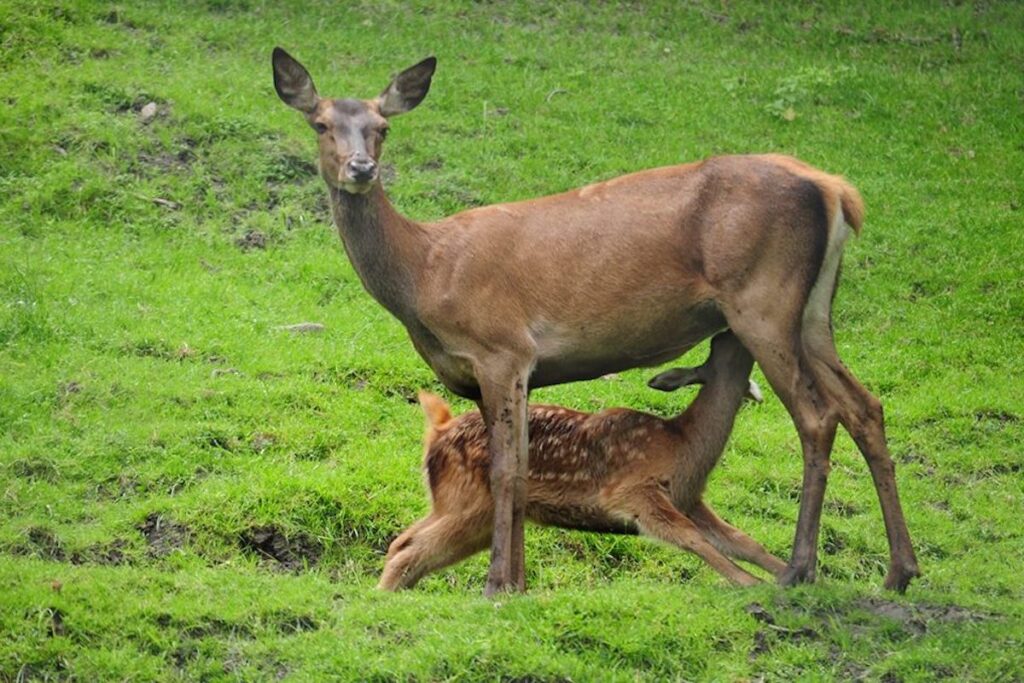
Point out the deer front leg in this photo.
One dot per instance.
(503, 405)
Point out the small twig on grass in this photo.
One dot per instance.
(159, 201)
(721, 18)
(302, 328)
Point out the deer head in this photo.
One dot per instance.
(350, 132)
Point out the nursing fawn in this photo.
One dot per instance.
(618, 471)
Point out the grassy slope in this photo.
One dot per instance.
(155, 426)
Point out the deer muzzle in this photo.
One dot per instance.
(360, 169)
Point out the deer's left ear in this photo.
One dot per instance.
(676, 378)
(407, 89)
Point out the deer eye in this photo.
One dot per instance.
(320, 128)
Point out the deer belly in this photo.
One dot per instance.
(589, 349)
(578, 516)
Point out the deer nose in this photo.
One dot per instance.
(361, 168)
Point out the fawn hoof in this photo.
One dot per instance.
(792, 575)
(748, 581)
(900, 577)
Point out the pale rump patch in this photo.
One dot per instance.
(818, 310)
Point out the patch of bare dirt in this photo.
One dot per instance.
(771, 633)
(167, 160)
(116, 488)
(253, 239)
(163, 535)
(36, 469)
(303, 328)
(41, 542)
(916, 618)
(289, 622)
(261, 441)
(432, 164)
(57, 627)
(291, 553)
(841, 508)
(67, 389)
(112, 554)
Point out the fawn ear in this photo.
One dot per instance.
(407, 89)
(437, 411)
(754, 393)
(676, 378)
(292, 82)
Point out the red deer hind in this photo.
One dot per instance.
(624, 273)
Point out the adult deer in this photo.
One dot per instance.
(629, 272)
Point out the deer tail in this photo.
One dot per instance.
(852, 206)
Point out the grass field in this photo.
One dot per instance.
(188, 491)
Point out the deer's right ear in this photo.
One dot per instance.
(292, 82)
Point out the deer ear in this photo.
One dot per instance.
(292, 82)
(676, 378)
(437, 411)
(407, 89)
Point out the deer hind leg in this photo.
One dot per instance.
(778, 351)
(795, 349)
(431, 544)
(857, 409)
(403, 539)
(394, 572)
(658, 518)
(860, 413)
(733, 542)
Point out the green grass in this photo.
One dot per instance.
(157, 428)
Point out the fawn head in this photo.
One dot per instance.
(350, 132)
(729, 362)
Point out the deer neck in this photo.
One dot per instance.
(387, 250)
(707, 423)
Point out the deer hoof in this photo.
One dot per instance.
(899, 578)
(497, 588)
(791, 576)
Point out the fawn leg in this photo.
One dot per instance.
(432, 544)
(657, 517)
(732, 541)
